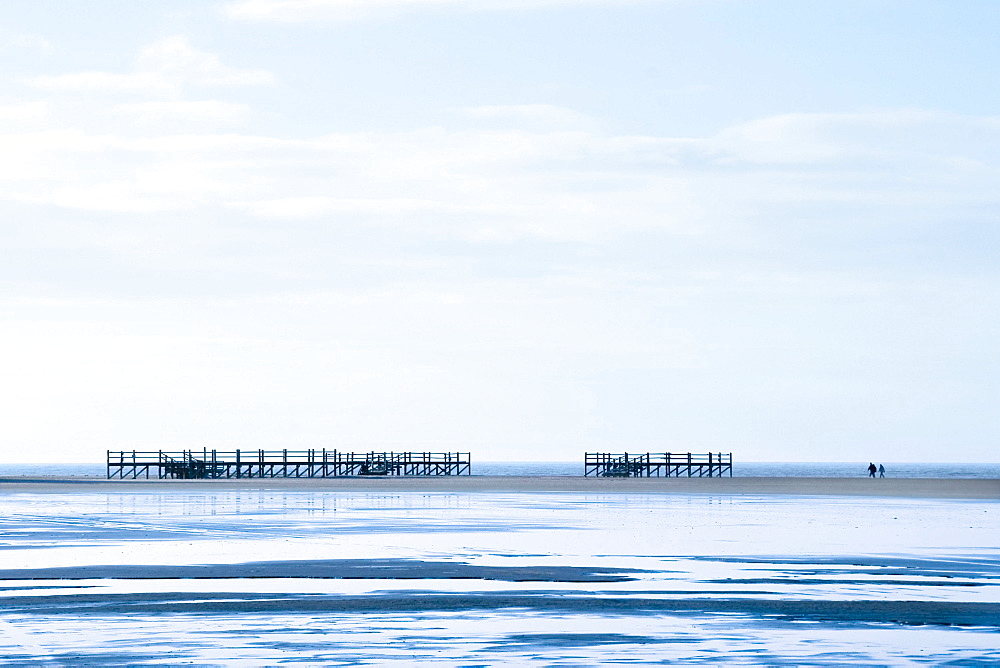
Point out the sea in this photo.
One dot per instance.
(740, 469)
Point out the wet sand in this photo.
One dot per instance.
(500, 570)
(929, 488)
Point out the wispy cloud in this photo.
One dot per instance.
(530, 115)
(163, 69)
(514, 183)
(175, 59)
(824, 137)
(23, 112)
(157, 111)
(28, 41)
(158, 90)
(347, 10)
(294, 245)
(134, 83)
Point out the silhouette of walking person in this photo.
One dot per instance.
(881, 471)
(871, 469)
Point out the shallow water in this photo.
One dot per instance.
(270, 576)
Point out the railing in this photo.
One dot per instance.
(312, 463)
(650, 464)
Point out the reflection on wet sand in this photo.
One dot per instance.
(220, 575)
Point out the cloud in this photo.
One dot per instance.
(825, 137)
(513, 183)
(175, 59)
(533, 115)
(29, 41)
(138, 83)
(155, 112)
(578, 284)
(472, 184)
(162, 70)
(347, 10)
(28, 111)
(157, 92)
(311, 207)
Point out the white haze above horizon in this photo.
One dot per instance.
(521, 229)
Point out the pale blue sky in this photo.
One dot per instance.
(525, 229)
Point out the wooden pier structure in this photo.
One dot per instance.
(313, 463)
(658, 464)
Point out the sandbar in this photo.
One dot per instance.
(932, 488)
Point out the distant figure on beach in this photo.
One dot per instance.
(881, 471)
(871, 469)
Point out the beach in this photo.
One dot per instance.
(495, 570)
(931, 488)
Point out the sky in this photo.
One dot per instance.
(525, 229)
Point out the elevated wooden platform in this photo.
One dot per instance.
(191, 464)
(658, 464)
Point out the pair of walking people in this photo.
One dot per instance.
(872, 469)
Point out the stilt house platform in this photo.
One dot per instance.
(314, 463)
(658, 464)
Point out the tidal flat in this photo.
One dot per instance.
(268, 572)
